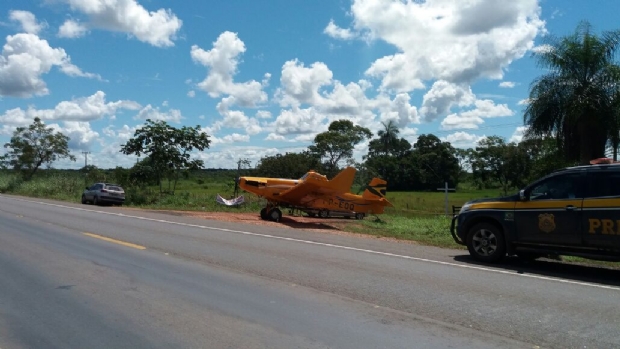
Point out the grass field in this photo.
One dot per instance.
(417, 216)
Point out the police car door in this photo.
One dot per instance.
(601, 209)
(551, 211)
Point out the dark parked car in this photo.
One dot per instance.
(574, 211)
(104, 193)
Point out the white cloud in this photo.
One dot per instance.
(463, 139)
(81, 136)
(230, 138)
(442, 96)
(153, 113)
(446, 40)
(401, 111)
(524, 101)
(507, 84)
(517, 135)
(27, 20)
(72, 29)
(472, 118)
(222, 61)
(263, 114)
(456, 121)
(274, 137)
(299, 121)
(25, 58)
(191, 94)
(301, 85)
(78, 110)
(336, 32)
(228, 156)
(157, 28)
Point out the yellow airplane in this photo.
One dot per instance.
(314, 193)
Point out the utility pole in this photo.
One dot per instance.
(85, 165)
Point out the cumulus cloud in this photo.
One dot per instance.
(299, 121)
(72, 29)
(222, 61)
(227, 157)
(81, 135)
(471, 119)
(463, 139)
(27, 20)
(158, 28)
(25, 58)
(449, 41)
(442, 96)
(230, 138)
(191, 94)
(336, 32)
(153, 113)
(301, 84)
(78, 110)
(507, 84)
(401, 111)
(517, 135)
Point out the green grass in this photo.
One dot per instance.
(417, 216)
(427, 230)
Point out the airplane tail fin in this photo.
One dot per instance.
(376, 190)
(343, 180)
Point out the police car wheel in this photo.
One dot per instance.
(485, 243)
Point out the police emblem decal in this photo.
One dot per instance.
(546, 222)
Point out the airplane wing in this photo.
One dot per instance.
(300, 193)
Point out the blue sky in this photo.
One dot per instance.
(264, 77)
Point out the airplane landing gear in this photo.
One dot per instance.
(275, 214)
(359, 215)
(323, 213)
(271, 214)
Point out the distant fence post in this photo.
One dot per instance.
(446, 189)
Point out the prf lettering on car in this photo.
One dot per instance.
(604, 226)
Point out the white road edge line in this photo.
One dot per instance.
(332, 245)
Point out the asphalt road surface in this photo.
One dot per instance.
(78, 276)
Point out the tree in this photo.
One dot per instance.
(575, 102)
(338, 142)
(388, 137)
(289, 165)
(168, 148)
(436, 163)
(507, 163)
(33, 146)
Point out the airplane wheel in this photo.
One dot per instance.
(323, 213)
(263, 213)
(311, 214)
(275, 215)
(359, 215)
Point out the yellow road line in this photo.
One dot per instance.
(128, 244)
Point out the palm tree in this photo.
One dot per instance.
(388, 136)
(574, 101)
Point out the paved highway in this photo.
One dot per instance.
(76, 276)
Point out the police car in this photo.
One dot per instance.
(574, 211)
